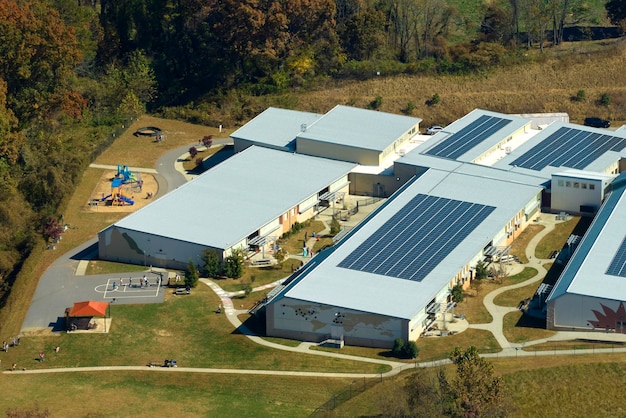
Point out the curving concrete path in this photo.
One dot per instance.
(170, 175)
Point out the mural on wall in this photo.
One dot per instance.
(349, 320)
(610, 319)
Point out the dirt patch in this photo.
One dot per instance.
(141, 196)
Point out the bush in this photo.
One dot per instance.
(335, 227)
(199, 161)
(408, 110)
(581, 96)
(193, 151)
(433, 100)
(398, 347)
(404, 350)
(605, 99)
(376, 103)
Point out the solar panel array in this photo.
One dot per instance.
(618, 264)
(467, 138)
(415, 240)
(569, 147)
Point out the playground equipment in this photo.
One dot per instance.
(117, 195)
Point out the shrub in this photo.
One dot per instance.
(605, 99)
(398, 346)
(376, 103)
(433, 100)
(408, 110)
(581, 96)
(410, 350)
(199, 161)
(404, 350)
(193, 151)
(335, 227)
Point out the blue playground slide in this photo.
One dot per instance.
(127, 200)
(105, 198)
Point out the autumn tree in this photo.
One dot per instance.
(474, 390)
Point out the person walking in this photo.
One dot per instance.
(42, 357)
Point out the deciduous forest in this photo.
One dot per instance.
(71, 71)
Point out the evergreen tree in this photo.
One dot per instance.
(191, 275)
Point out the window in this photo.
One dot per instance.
(583, 185)
(576, 185)
(568, 184)
(592, 186)
(561, 183)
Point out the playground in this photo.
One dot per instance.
(122, 190)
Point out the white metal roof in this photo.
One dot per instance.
(359, 128)
(516, 123)
(582, 174)
(600, 164)
(325, 283)
(276, 127)
(585, 273)
(237, 197)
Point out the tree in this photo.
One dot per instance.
(398, 346)
(616, 11)
(191, 275)
(457, 293)
(233, 264)
(207, 141)
(403, 349)
(335, 226)
(193, 151)
(481, 270)
(212, 264)
(473, 391)
(52, 228)
(496, 25)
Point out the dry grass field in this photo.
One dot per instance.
(544, 83)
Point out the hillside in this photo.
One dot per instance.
(538, 83)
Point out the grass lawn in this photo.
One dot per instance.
(518, 247)
(431, 348)
(574, 345)
(473, 307)
(294, 243)
(104, 267)
(519, 328)
(556, 239)
(153, 394)
(182, 328)
(513, 297)
(189, 163)
(531, 385)
(143, 151)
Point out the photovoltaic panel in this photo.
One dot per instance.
(618, 264)
(468, 137)
(569, 147)
(415, 240)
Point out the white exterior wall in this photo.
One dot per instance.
(268, 228)
(298, 319)
(572, 311)
(241, 245)
(569, 193)
(308, 203)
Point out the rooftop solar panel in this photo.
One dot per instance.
(618, 264)
(467, 138)
(569, 147)
(415, 240)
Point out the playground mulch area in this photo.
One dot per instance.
(130, 190)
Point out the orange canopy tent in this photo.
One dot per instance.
(89, 308)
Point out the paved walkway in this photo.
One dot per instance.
(171, 175)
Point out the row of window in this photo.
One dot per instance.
(576, 184)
